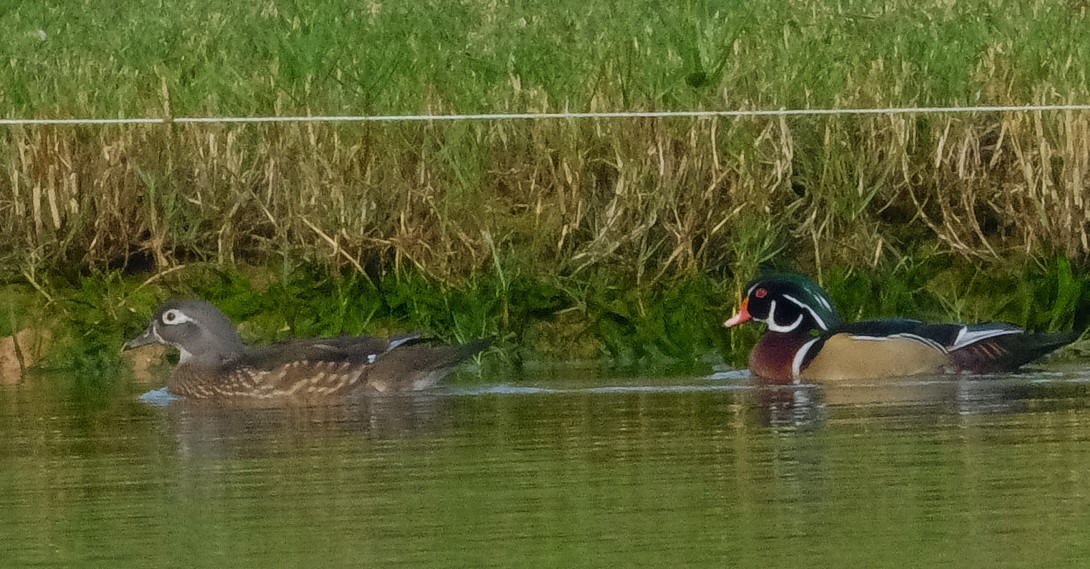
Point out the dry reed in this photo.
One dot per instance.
(655, 198)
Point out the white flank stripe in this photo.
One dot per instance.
(914, 337)
(796, 364)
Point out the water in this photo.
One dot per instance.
(556, 472)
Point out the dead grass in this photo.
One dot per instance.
(656, 198)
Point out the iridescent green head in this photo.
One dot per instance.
(787, 303)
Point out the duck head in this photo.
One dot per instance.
(197, 329)
(788, 304)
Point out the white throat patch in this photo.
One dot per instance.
(773, 326)
(183, 356)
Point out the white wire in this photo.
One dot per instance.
(565, 115)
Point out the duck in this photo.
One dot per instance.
(807, 341)
(214, 362)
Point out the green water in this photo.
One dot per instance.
(652, 472)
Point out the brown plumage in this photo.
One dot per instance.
(216, 364)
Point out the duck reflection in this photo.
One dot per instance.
(212, 430)
(800, 405)
(783, 406)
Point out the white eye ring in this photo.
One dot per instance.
(175, 316)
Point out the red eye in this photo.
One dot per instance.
(760, 293)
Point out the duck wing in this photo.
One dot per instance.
(406, 362)
(978, 352)
(354, 350)
(989, 347)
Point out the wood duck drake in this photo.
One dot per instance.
(807, 340)
(216, 364)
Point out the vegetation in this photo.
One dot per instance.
(628, 238)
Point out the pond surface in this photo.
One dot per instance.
(556, 472)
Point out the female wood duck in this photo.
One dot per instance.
(216, 364)
(807, 340)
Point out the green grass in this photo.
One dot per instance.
(295, 57)
(603, 319)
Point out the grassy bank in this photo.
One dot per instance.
(669, 327)
(650, 198)
(448, 200)
(627, 237)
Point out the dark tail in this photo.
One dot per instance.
(1008, 352)
(419, 366)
